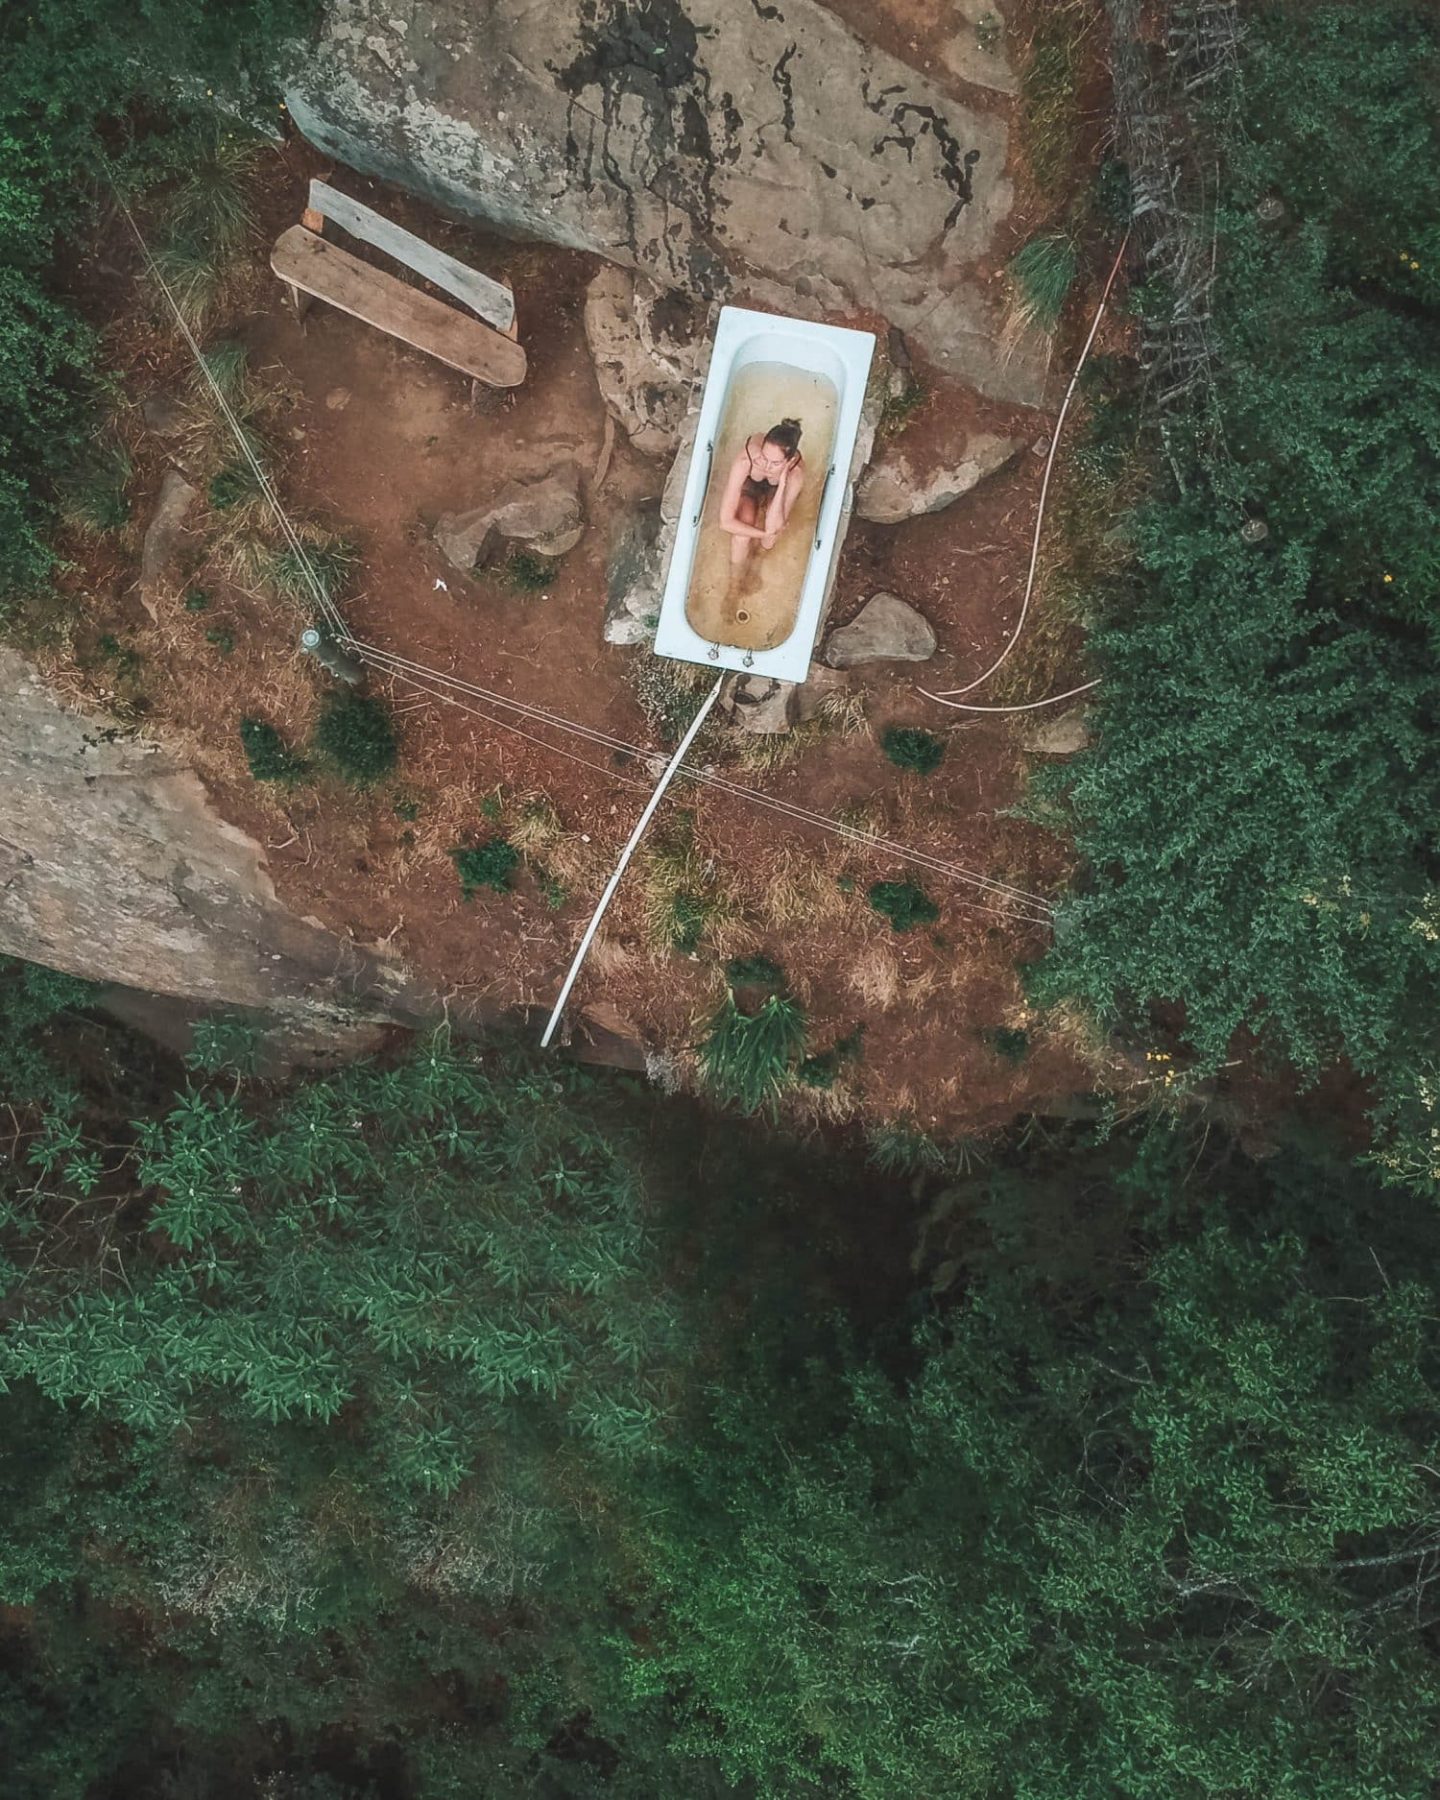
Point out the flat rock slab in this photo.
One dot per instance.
(719, 148)
(545, 515)
(886, 629)
(897, 487)
(1066, 735)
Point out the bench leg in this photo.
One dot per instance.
(301, 302)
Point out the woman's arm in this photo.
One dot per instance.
(777, 514)
(730, 519)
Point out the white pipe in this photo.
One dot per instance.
(627, 853)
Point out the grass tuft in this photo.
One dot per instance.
(209, 205)
(1043, 273)
(530, 574)
(93, 499)
(326, 564)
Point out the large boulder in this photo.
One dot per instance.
(886, 629)
(545, 515)
(115, 866)
(648, 346)
(718, 148)
(897, 486)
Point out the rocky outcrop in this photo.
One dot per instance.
(114, 866)
(897, 486)
(886, 629)
(545, 515)
(1064, 736)
(648, 346)
(760, 151)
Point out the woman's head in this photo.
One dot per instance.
(784, 437)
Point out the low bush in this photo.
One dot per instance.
(910, 748)
(487, 865)
(356, 736)
(269, 757)
(903, 903)
(754, 971)
(529, 573)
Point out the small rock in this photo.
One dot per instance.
(817, 687)
(893, 489)
(1060, 737)
(545, 515)
(886, 629)
(762, 704)
(338, 399)
(163, 534)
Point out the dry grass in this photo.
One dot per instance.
(800, 893)
(874, 976)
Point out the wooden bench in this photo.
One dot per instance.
(309, 266)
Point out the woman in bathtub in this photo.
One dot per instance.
(760, 493)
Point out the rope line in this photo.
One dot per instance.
(329, 611)
(1039, 523)
(1033, 908)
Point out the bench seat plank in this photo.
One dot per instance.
(493, 301)
(308, 263)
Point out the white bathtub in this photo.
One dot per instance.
(793, 355)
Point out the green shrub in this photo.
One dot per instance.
(221, 638)
(529, 573)
(912, 749)
(268, 755)
(1007, 1041)
(754, 971)
(355, 734)
(197, 600)
(232, 485)
(487, 865)
(823, 1069)
(747, 1058)
(903, 903)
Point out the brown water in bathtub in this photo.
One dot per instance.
(754, 607)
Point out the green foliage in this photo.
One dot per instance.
(69, 77)
(487, 865)
(92, 498)
(1211, 1490)
(269, 757)
(233, 485)
(327, 565)
(1044, 272)
(921, 752)
(898, 1147)
(1049, 101)
(197, 599)
(903, 903)
(1257, 812)
(754, 971)
(355, 734)
(1008, 1041)
(528, 573)
(747, 1058)
(209, 202)
(221, 638)
(823, 1069)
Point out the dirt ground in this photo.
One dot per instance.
(374, 442)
